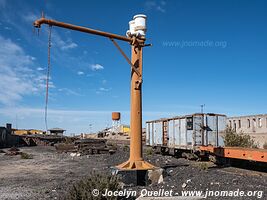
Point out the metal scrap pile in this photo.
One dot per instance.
(87, 147)
(13, 151)
(43, 140)
(94, 146)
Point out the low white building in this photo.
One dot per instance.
(253, 125)
(56, 131)
(248, 124)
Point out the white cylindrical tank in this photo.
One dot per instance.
(132, 27)
(140, 24)
(131, 30)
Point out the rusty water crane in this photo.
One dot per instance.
(136, 38)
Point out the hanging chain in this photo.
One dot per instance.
(48, 74)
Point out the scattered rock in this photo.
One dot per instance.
(2, 151)
(235, 181)
(73, 154)
(13, 149)
(188, 181)
(155, 176)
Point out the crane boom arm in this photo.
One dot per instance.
(50, 22)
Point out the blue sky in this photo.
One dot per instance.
(204, 52)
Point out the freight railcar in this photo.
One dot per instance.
(186, 133)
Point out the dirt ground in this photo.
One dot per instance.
(49, 174)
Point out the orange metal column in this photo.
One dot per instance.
(136, 161)
(136, 106)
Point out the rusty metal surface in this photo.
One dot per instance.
(116, 116)
(259, 155)
(165, 133)
(189, 131)
(136, 161)
(41, 140)
(43, 20)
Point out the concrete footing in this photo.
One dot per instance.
(139, 177)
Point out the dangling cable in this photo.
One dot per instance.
(48, 74)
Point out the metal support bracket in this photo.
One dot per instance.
(125, 56)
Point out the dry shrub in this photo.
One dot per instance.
(82, 190)
(24, 155)
(126, 148)
(203, 166)
(149, 151)
(232, 139)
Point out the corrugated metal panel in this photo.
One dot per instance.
(221, 127)
(151, 139)
(212, 130)
(158, 133)
(171, 133)
(183, 139)
(198, 131)
(148, 133)
(216, 125)
(177, 132)
(189, 137)
(222, 124)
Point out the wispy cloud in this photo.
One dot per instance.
(104, 89)
(17, 77)
(62, 44)
(40, 69)
(57, 40)
(80, 73)
(159, 6)
(30, 17)
(40, 82)
(2, 3)
(96, 67)
(69, 92)
(68, 45)
(7, 28)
